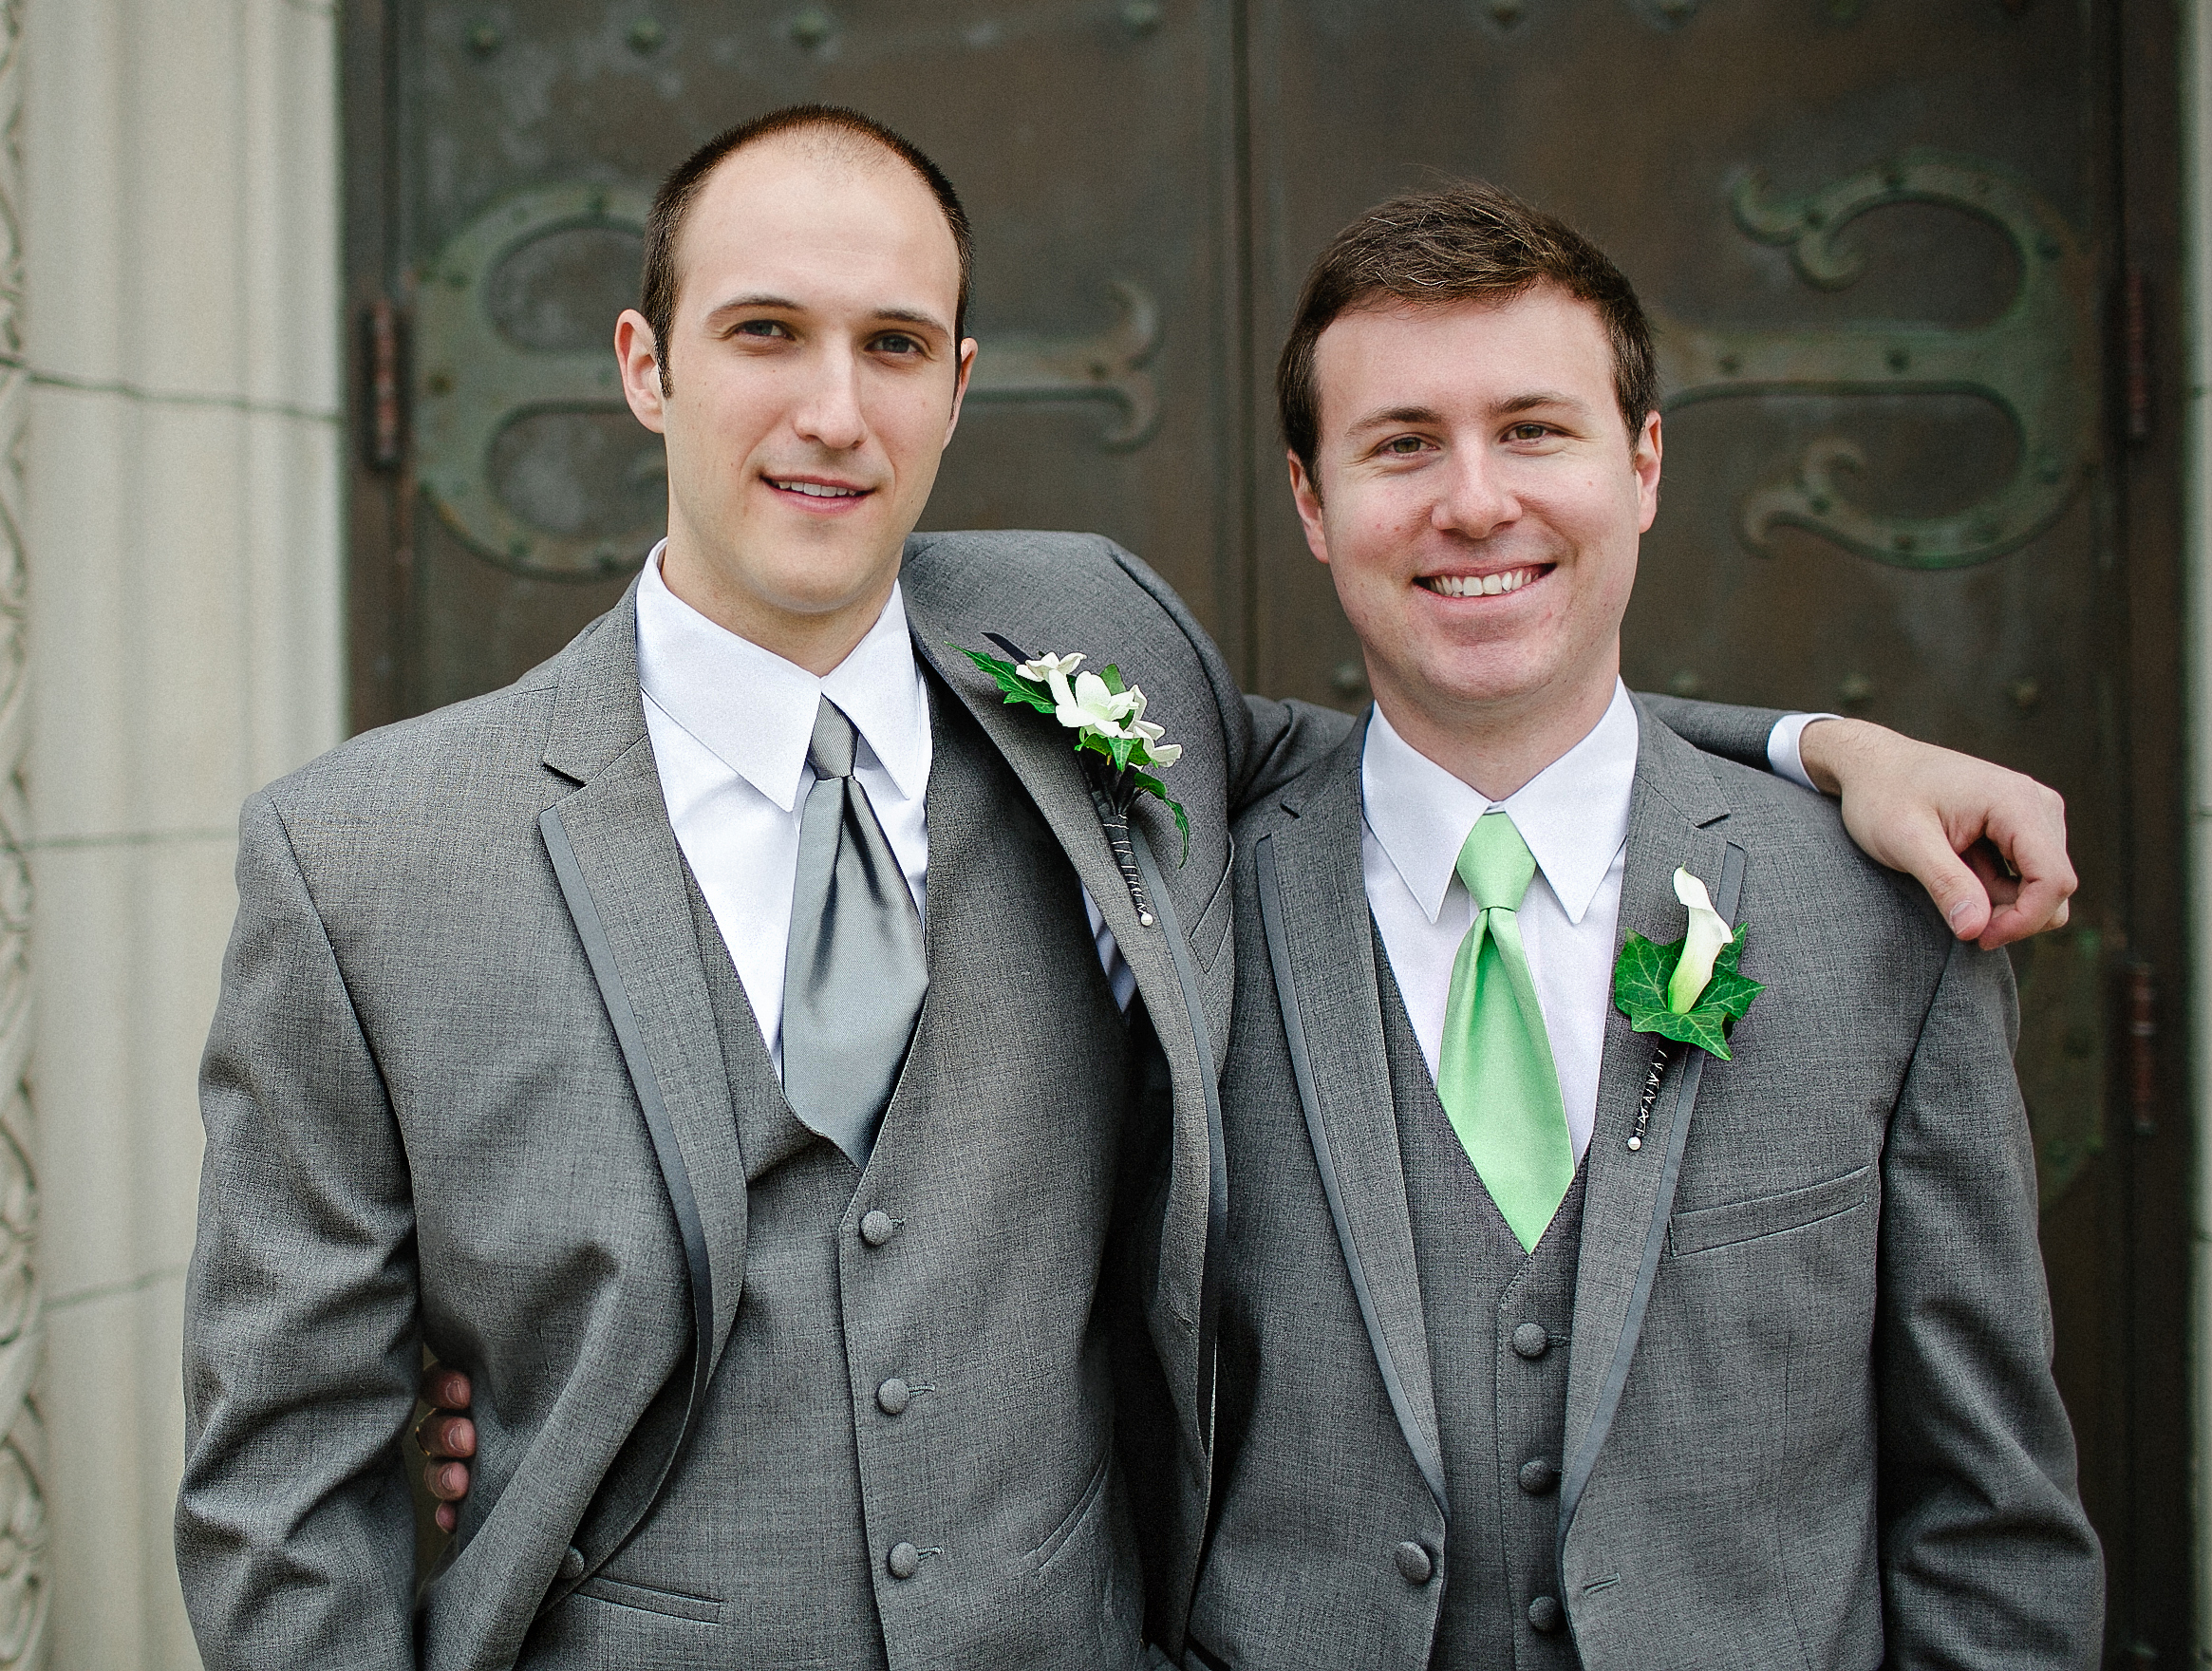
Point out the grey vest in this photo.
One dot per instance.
(905, 1458)
(1498, 1322)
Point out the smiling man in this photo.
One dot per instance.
(1547, 1339)
(737, 1049)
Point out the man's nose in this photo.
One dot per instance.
(1476, 498)
(830, 413)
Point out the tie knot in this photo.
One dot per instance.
(831, 751)
(1496, 863)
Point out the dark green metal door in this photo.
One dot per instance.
(1909, 263)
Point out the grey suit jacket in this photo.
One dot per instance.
(1810, 1417)
(463, 1091)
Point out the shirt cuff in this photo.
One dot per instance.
(1782, 747)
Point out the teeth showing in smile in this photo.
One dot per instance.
(1480, 584)
(816, 490)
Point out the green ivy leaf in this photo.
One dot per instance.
(1018, 689)
(1112, 675)
(1158, 791)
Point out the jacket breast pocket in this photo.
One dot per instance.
(1706, 1227)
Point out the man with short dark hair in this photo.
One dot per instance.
(1600, 1289)
(776, 1070)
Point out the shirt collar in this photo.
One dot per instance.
(1573, 815)
(755, 711)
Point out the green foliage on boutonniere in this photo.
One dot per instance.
(1107, 716)
(1691, 989)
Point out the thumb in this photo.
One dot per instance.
(1925, 855)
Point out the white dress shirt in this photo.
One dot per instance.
(1574, 817)
(730, 724)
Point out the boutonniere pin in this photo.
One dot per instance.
(1689, 990)
(1107, 716)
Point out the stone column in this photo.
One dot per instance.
(24, 1574)
(181, 350)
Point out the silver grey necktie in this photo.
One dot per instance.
(855, 975)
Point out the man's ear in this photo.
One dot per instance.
(968, 353)
(1306, 493)
(1645, 462)
(639, 356)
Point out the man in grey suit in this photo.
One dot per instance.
(737, 1047)
(1546, 1340)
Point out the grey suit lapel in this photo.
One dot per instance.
(1677, 817)
(1043, 756)
(623, 877)
(1320, 942)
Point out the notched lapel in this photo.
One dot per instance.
(1677, 817)
(616, 824)
(1321, 944)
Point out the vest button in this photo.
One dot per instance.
(905, 1560)
(892, 1397)
(1413, 1564)
(875, 1230)
(1545, 1614)
(571, 1565)
(1538, 1476)
(1531, 1341)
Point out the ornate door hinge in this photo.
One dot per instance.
(384, 428)
(2035, 362)
(2143, 1049)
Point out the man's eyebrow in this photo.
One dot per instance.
(1536, 398)
(1388, 416)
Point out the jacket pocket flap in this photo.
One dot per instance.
(675, 1603)
(1767, 1215)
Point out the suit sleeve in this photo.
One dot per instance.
(295, 1524)
(1717, 727)
(1987, 1558)
(1288, 738)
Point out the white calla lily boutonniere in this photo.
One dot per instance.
(1106, 714)
(1689, 990)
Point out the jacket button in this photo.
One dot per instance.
(1413, 1564)
(1531, 1339)
(1538, 1476)
(875, 1230)
(571, 1565)
(1545, 1614)
(892, 1397)
(905, 1560)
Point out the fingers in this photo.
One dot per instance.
(444, 1436)
(2029, 829)
(444, 1389)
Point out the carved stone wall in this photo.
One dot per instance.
(169, 439)
(24, 1577)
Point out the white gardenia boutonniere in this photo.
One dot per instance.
(1106, 714)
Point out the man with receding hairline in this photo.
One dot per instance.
(737, 1049)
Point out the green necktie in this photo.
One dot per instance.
(1495, 1075)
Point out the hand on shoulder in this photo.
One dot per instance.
(1988, 843)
